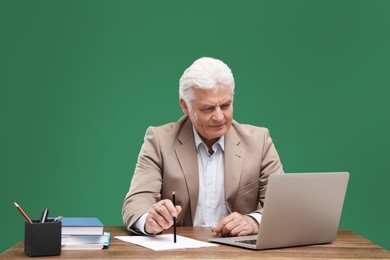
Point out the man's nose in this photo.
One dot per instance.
(218, 114)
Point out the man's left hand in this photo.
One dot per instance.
(236, 224)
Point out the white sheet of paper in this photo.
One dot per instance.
(164, 242)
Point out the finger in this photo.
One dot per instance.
(230, 229)
(172, 210)
(233, 225)
(243, 226)
(158, 214)
(161, 216)
(163, 213)
(152, 227)
(165, 210)
(215, 230)
(178, 210)
(218, 229)
(233, 229)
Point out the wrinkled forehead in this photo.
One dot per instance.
(212, 96)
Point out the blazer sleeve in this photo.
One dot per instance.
(146, 183)
(270, 164)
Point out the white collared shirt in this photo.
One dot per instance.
(211, 207)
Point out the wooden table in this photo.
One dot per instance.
(348, 245)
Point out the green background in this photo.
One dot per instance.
(81, 81)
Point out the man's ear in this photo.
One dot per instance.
(184, 107)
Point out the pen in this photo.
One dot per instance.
(24, 214)
(59, 218)
(174, 218)
(45, 212)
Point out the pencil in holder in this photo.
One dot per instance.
(42, 239)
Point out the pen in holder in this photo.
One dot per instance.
(42, 238)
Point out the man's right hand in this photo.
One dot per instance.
(160, 216)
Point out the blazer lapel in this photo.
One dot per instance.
(234, 158)
(187, 156)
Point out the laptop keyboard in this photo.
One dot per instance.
(249, 241)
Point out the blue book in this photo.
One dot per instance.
(82, 226)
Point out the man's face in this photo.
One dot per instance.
(211, 113)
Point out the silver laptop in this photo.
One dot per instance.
(299, 209)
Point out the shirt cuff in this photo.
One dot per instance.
(257, 216)
(140, 224)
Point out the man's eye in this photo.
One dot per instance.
(226, 106)
(207, 109)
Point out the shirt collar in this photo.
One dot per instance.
(198, 140)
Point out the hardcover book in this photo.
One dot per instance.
(86, 242)
(85, 239)
(81, 226)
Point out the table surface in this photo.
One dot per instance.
(348, 245)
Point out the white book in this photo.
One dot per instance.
(82, 247)
(88, 239)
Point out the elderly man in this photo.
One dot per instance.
(217, 167)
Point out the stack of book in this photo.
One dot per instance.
(83, 234)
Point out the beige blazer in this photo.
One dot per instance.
(168, 161)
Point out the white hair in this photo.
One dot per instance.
(205, 73)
